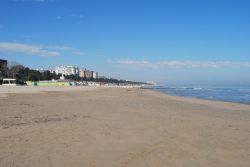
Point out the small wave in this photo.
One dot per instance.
(198, 88)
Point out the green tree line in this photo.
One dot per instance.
(22, 74)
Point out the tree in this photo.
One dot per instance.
(46, 75)
(34, 75)
(14, 70)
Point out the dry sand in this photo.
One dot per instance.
(104, 127)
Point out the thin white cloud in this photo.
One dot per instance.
(143, 63)
(76, 17)
(39, 50)
(195, 64)
(26, 49)
(184, 64)
(79, 53)
(79, 16)
(245, 64)
(60, 48)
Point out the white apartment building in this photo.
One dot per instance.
(81, 73)
(88, 74)
(67, 70)
(95, 75)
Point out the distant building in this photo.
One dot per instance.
(3, 67)
(88, 74)
(3, 64)
(95, 75)
(67, 70)
(81, 73)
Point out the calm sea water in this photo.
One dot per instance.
(228, 94)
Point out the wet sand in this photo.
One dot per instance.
(111, 127)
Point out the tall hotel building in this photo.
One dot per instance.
(67, 70)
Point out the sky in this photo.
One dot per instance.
(204, 42)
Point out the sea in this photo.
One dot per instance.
(236, 94)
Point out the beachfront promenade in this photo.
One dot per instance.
(110, 127)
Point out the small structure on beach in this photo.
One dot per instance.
(9, 82)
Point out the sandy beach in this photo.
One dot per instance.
(111, 127)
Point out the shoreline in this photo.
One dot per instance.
(5, 90)
(197, 98)
(215, 103)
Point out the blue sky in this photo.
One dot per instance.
(168, 41)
